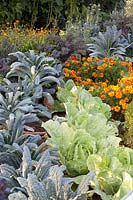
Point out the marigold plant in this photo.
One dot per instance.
(111, 80)
(22, 36)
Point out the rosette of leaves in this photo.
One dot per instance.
(108, 44)
(113, 168)
(87, 140)
(86, 129)
(41, 180)
(39, 74)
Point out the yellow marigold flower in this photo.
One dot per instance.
(83, 58)
(94, 74)
(85, 64)
(117, 108)
(121, 102)
(105, 59)
(104, 65)
(129, 64)
(111, 94)
(104, 84)
(89, 59)
(114, 87)
(89, 80)
(131, 91)
(124, 91)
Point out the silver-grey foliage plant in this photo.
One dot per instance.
(43, 180)
(38, 74)
(108, 44)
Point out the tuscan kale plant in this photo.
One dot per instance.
(37, 75)
(108, 44)
(42, 180)
(12, 138)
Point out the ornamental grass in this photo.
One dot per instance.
(110, 79)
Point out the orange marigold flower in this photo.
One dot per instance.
(131, 74)
(67, 64)
(73, 57)
(124, 106)
(73, 73)
(100, 67)
(86, 70)
(75, 62)
(102, 96)
(78, 72)
(78, 78)
(89, 59)
(129, 64)
(101, 75)
(110, 67)
(84, 82)
(124, 64)
(118, 95)
(106, 90)
(97, 59)
(112, 61)
(130, 69)
(67, 74)
(126, 99)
